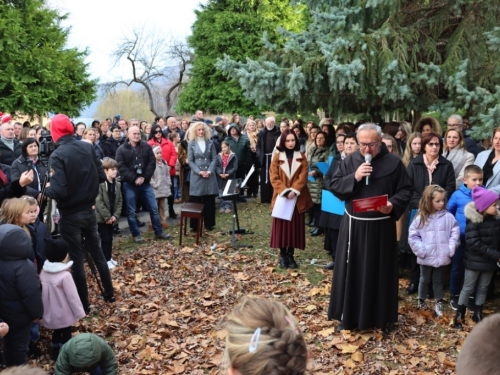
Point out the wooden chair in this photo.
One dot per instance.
(192, 210)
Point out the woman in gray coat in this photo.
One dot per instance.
(202, 159)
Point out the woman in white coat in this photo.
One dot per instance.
(487, 160)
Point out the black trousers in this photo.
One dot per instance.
(106, 234)
(315, 213)
(16, 345)
(208, 211)
(73, 229)
(240, 173)
(170, 201)
(266, 189)
(253, 182)
(61, 335)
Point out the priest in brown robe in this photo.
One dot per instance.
(365, 282)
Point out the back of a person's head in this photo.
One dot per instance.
(23, 370)
(263, 338)
(83, 350)
(479, 353)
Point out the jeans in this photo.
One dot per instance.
(177, 187)
(16, 344)
(147, 196)
(74, 228)
(428, 273)
(457, 269)
(483, 279)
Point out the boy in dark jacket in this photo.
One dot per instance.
(20, 292)
(473, 176)
(108, 206)
(86, 353)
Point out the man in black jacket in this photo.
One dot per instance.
(112, 143)
(266, 141)
(75, 185)
(136, 165)
(10, 147)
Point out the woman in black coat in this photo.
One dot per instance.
(29, 161)
(428, 168)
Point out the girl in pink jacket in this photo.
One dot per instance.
(434, 236)
(61, 303)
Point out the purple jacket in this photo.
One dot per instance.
(436, 242)
(62, 305)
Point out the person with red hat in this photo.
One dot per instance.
(75, 185)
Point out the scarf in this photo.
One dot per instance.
(457, 157)
(225, 159)
(3, 178)
(8, 142)
(430, 167)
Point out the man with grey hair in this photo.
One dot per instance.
(364, 291)
(456, 122)
(10, 147)
(266, 140)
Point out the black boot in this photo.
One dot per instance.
(283, 258)
(317, 232)
(293, 263)
(412, 289)
(309, 221)
(478, 313)
(459, 317)
(33, 350)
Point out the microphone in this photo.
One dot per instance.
(368, 159)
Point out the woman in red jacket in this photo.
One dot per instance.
(169, 154)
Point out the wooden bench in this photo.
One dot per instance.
(195, 211)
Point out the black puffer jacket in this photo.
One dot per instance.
(77, 175)
(482, 237)
(21, 165)
(126, 160)
(443, 176)
(20, 288)
(110, 146)
(7, 156)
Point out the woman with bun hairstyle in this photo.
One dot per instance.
(263, 338)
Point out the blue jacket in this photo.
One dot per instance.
(457, 203)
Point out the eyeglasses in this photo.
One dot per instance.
(455, 125)
(433, 144)
(371, 145)
(158, 131)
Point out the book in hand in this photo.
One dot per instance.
(232, 187)
(369, 204)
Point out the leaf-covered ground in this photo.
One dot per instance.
(171, 304)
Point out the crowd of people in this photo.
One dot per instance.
(441, 207)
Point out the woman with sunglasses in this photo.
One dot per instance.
(169, 154)
(428, 168)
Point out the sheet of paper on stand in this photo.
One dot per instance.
(330, 203)
(251, 170)
(283, 208)
(232, 187)
(369, 204)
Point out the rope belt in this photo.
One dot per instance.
(267, 166)
(363, 219)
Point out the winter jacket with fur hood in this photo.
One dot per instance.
(435, 243)
(20, 289)
(63, 307)
(482, 237)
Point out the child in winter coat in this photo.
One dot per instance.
(225, 169)
(176, 139)
(108, 206)
(433, 236)
(482, 237)
(62, 304)
(20, 292)
(161, 183)
(473, 176)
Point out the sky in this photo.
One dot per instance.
(100, 26)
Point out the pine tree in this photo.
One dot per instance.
(38, 74)
(376, 56)
(234, 28)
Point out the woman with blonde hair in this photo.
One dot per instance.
(91, 135)
(263, 338)
(27, 133)
(202, 158)
(454, 150)
(413, 148)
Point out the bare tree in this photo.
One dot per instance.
(154, 63)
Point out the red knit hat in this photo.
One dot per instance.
(5, 118)
(60, 125)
